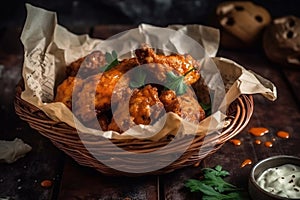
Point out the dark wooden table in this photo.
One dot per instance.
(21, 180)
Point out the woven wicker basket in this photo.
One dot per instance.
(67, 139)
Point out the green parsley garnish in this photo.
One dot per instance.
(177, 83)
(213, 187)
(206, 108)
(139, 78)
(111, 60)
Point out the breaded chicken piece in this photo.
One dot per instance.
(144, 108)
(65, 90)
(124, 122)
(99, 123)
(84, 106)
(94, 90)
(170, 101)
(163, 64)
(202, 91)
(87, 66)
(97, 90)
(186, 106)
(103, 122)
(144, 105)
(73, 68)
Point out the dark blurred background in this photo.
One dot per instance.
(81, 16)
(78, 13)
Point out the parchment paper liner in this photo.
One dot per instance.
(49, 48)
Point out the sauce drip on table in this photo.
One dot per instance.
(197, 164)
(246, 162)
(236, 142)
(283, 134)
(258, 131)
(46, 183)
(268, 144)
(257, 141)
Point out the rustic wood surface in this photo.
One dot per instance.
(21, 180)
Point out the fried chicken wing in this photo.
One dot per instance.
(144, 105)
(87, 66)
(100, 122)
(84, 107)
(97, 90)
(144, 108)
(65, 90)
(170, 101)
(113, 126)
(191, 110)
(96, 94)
(124, 121)
(73, 68)
(103, 122)
(202, 91)
(180, 63)
(186, 106)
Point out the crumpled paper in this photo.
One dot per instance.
(11, 151)
(49, 48)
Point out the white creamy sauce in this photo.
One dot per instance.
(283, 181)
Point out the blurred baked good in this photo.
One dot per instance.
(241, 23)
(281, 41)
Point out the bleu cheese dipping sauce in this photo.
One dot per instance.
(275, 178)
(283, 181)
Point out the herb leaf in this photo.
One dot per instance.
(213, 187)
(138, 79)
(111, 59)
(176, 83)
(217, 171)
(196, 185)
(206, 108)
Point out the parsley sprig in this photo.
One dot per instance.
(206, 108)
(138, 80)
(173, 81)
(213, 186)
(176, 83)
(111, 60)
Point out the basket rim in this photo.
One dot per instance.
(66, 137)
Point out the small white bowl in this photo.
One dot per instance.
(255, 191)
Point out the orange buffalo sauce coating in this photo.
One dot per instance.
(258, 131)
(283, 134)
(246, 162)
